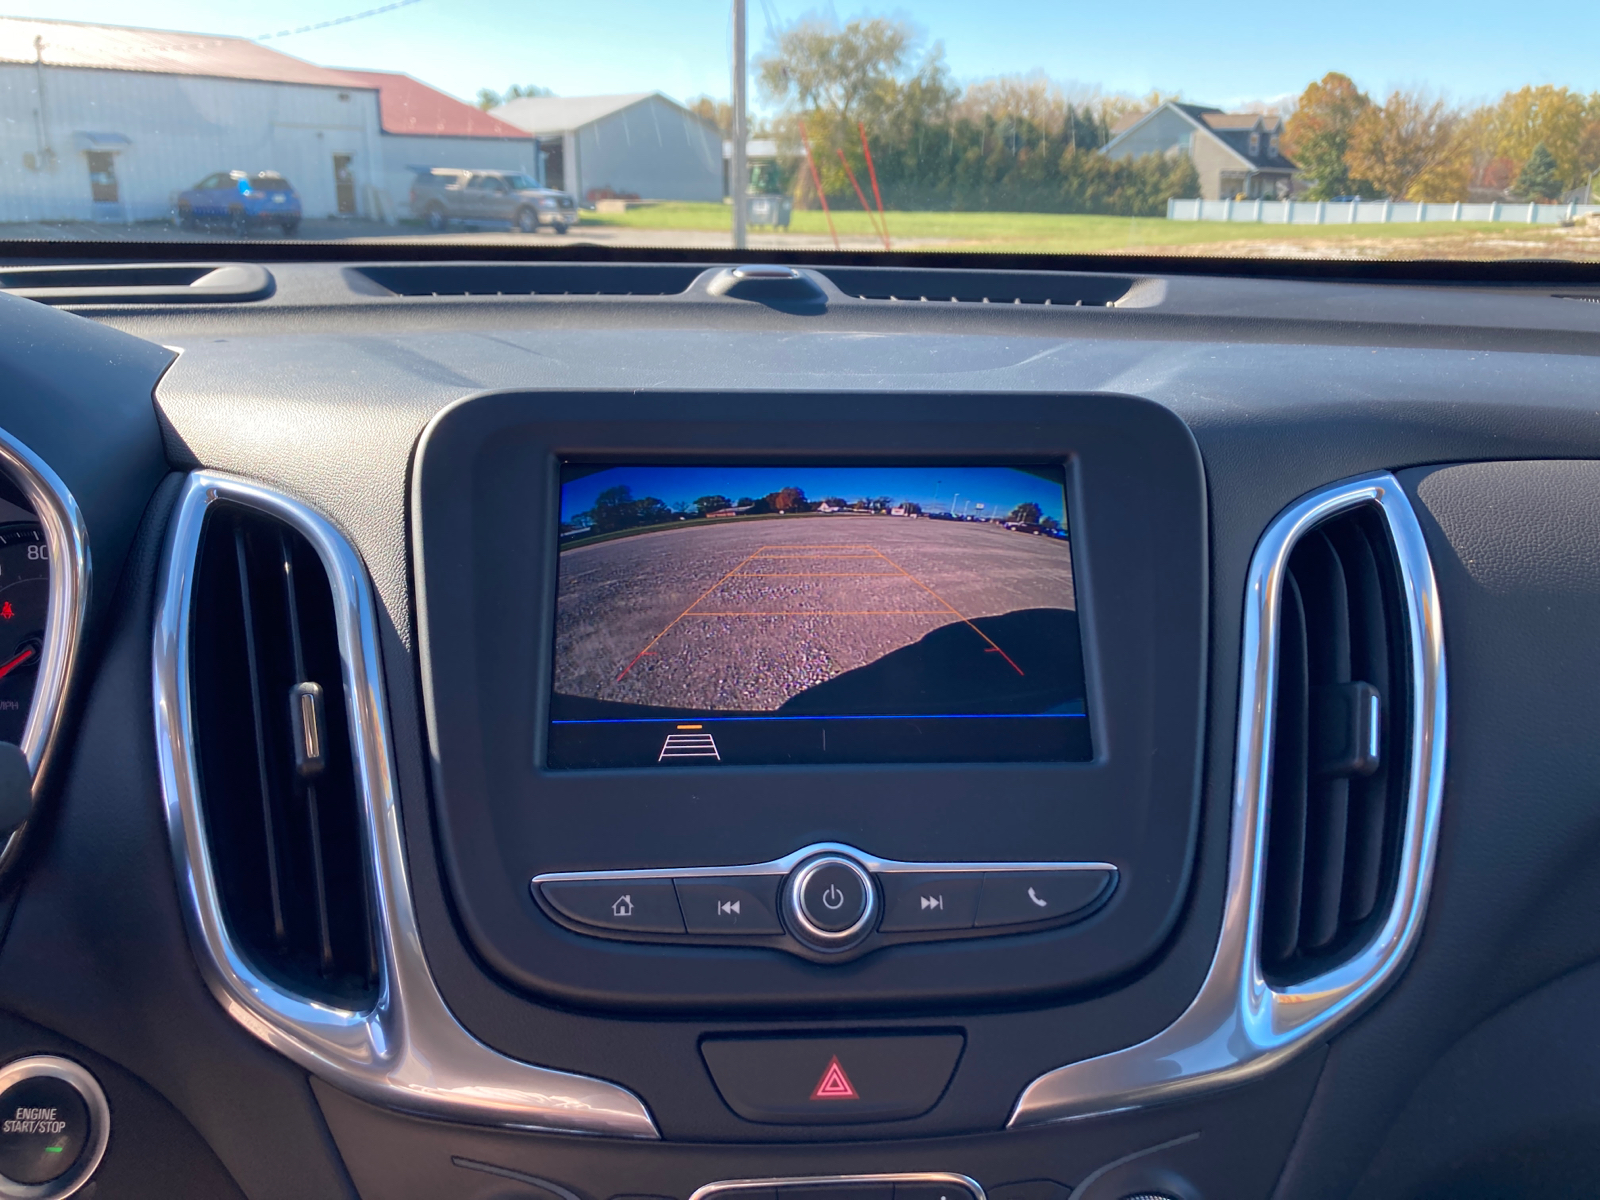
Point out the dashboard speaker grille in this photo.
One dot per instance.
(277, 784)
(1338, 770)
(979, 287)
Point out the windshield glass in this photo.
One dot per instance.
(1029, 128)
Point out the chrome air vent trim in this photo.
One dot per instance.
(1237, 1026)
(68, 540)
(408, 1052)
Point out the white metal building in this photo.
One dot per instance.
(107, 123)
(99, 122)
(642, 143)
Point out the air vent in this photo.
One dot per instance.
(1338, 773)
(140, 283)
(277, 783)
(979, 287)
(530, 279)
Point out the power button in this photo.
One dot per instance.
(54, 1125)
(830, 902)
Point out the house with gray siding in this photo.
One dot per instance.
(1235, 154)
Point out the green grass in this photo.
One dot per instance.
(1039, 232)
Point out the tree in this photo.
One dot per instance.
(911, 506)
(717, 112)
(1413, 148)
(1317, 135)
(613, 509)
(789, 499)
(489, 98)
(650, 511)
(834, 501)
(814, 65)
(1027, 513)
(1550, 117)
(1539, 178)
(826, 78)
(707, 504)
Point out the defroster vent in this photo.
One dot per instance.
(277, 783)
(1339, 770)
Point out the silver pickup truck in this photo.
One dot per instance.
(446, 194)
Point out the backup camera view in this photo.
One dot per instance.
(744, 615)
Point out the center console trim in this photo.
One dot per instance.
(747, 1185)
(408, 1051)
(1238, 1026)
(782, 866)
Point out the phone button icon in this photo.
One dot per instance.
(1023, 897)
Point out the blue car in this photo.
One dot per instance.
(242, 201)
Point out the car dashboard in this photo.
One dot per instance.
(1202, 806)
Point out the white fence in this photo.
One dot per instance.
(1368, 212)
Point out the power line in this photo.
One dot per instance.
(371, 12)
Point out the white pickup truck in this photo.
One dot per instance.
(445, 194)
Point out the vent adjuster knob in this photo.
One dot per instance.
(307, 720)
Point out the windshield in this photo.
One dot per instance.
(1035, 128)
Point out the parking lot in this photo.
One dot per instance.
(357, 230)
(746, 615)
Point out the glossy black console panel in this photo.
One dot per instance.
(484, 540)
(1232, 1146)
(824, 902)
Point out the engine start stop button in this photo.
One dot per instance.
(44, 1128)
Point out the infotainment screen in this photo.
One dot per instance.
(743, 615)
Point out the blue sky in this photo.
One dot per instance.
(999, 489)
(1469, 48)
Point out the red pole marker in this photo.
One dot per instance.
(873, 173)
(865, 207)
(834, 1084)
(817, 180)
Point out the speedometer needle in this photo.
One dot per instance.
(20, 659)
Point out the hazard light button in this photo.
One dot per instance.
(832, 1080)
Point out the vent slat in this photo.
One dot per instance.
(1371, 662)
(1287, 826)
(270, 721)
(1340, 705)
(319, 887)
(269, 823)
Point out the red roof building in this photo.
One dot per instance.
(116, 138)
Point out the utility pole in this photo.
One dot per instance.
(738, 173)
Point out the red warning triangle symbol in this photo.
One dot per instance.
(834, 1084)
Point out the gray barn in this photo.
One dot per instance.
(643, 143)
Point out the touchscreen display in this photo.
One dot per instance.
(740, 615)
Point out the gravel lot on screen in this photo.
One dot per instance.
(744, 615)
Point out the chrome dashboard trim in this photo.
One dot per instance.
(1238, 1026)
(408, 1052)
(782, 866)
(745, 1185)
(50, 1066)
(68, 539)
